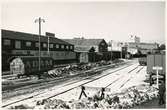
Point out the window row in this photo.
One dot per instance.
(7, 42)
(36, 63)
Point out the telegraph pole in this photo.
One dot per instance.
(39, 20)
(111, 48)
(121, 49)
(48, 45)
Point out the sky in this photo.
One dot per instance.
(107, 20)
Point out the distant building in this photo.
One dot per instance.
(99, 45)
(143, 47)
(137, 39)
(131, 47)
(115, 45)
(88, 49)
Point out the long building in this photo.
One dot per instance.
(143, 47)
(19, 43)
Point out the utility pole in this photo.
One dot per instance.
(111, 48)
(121, 49)
(39, 20)
(48, 46)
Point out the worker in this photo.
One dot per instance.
(151, 79)
(102, 93)
(161, 93)
(82, 92)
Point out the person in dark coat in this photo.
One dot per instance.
(82, 92)
(162, 93)
(151, 79)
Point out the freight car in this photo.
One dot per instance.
(29, 65)
(156, 60)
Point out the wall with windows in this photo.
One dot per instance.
(56, 55)
(32, 45)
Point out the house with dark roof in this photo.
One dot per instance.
(81, 44)
(89, 49)
(16, 43)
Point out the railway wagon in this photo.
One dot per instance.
(156, 60)
(29, 65)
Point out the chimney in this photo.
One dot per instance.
(49, 34)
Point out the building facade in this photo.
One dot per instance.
(144, 48)
(26, 44)
(90, 49)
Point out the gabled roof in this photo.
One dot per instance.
(31, 37)
(82, 48)
(84, 42)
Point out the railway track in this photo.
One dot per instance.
(120, 78)
(30, 97)
(131, 77)
(29, 83)
(42, 86)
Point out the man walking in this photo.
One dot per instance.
(162, 93)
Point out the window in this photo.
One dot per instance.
(28, 65)
(67, 47)
(28, 44)
(57, 46)
(51, 62)
(103, 43)
(17, 44)
(44, 45)
(6, 42)
(57, 54)
(51, 46)
(62, 46)
(45, 53)
(36, 44)
(46, 62)
(71, 47)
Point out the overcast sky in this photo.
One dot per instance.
(108, 20)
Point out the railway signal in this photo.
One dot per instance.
(157, 68)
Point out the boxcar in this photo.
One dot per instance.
(29, 65)
(156, 60)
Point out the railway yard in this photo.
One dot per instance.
(125, 86)
(83, 55)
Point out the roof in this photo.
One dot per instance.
(82, 48)
(142, 43)
(84, 42)
(31, 37)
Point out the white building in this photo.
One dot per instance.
(143, 47)
(132, 47)
(115, 45)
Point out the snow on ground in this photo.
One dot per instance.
(95, 86)
(115, 82)
(137, 79)
(55, 90)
